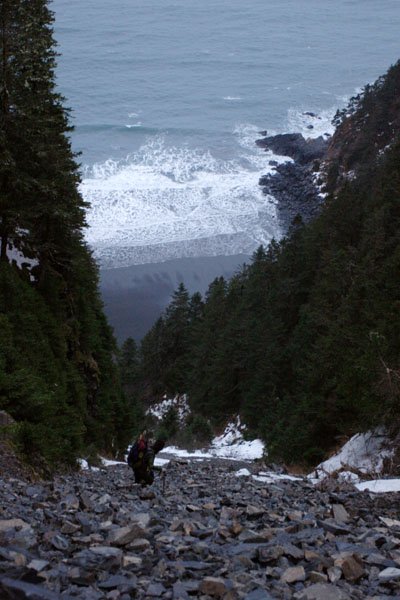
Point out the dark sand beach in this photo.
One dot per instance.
(135, 296)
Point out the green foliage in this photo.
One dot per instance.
(58, 374)
(199, 429)
(169, 424)
(128, 362)
(365, 127)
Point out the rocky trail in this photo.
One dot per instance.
(209, 534)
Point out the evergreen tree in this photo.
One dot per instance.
(41, 209)
(153, 359)
(64, 390)
(176, 340)
(205, 385)
(129, 364)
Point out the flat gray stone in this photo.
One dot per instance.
(179, 592)
(258, 594)
(60, 543)
(389, 574)
(98, 557)
(340, 514)
(334, 527)
(22, 590)
(293, 574)
(38, 565)
(155, 590)
(120, 582)
(322, 591)
(121, 536)
(18, 532)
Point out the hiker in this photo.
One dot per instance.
(141, 459)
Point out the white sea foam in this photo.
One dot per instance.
(312, 123)
(178, 202)
(302, 121)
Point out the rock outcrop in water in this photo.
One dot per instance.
(302, 151)
(96, 536)
(365, 130)
(293, 184)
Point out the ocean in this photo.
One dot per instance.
(169, 96)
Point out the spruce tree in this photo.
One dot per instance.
(42, 217)
(41, 208)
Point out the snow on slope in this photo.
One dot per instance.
(359, 451)
(179, 403)
(229, 445)
(364, 452)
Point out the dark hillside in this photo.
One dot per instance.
(365, 129)
(305, 341)
(58, 377)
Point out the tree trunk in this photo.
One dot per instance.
(4, 241)
(4, 233)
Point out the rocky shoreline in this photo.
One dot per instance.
(294, 184)
(95, 535)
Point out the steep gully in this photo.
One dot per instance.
(204, 533)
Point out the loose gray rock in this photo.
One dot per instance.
(389, 574)
(207, 536)
(21, 590)
(293, 574)
(121, 536)
(258, 594)
(322, 591)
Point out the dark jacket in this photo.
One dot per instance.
(144, 473)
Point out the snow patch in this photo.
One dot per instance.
(243, 473)
(17, 258)
(84, 465)
(179, 403)
(379, 486)
(230, 445)
(111, 463)
(161, 462)
(266, 477)
(364, 452)
(271, 477)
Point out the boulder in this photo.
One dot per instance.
(213, 586)
(293, 574)
(121, 536)
(21, 590)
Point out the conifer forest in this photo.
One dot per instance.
(303, 341)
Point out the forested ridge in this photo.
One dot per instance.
(304, 341)
(59, 376)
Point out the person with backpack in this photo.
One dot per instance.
(141, 458)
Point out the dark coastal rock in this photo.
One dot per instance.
(301, 150)
(293, 184)
(293, 187)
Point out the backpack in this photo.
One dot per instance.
(137, 453)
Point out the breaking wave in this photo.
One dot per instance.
(165, 202)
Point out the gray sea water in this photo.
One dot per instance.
(169, 96)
